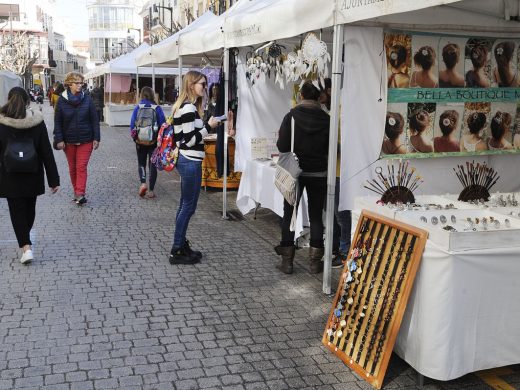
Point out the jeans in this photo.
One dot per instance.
(144, 153)
(316, 194)
(191, 178)
(342, 226)
(78, 157)
(22, 212)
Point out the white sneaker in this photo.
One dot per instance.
(27, 257)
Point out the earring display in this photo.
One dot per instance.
(372, 294)
(456, 230)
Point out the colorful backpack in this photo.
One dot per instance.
(165, 155)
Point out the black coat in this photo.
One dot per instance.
(311, 136)
(76, 124)
(18, 185)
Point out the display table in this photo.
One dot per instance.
(257, 189)
(463, 314)
(118, 114)
(210, 177)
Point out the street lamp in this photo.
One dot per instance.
(156, 12)
(136, 29)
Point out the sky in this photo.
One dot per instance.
(72, 19)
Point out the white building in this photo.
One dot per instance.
(110, 24)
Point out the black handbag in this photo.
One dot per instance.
(20, 156)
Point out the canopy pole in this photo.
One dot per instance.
(226, 104)
(153, 78)
(110, 91)
(137, 86)
(180, 74)
(333, 152)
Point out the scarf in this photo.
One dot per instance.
(75, 100)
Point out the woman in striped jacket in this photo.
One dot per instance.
(190, 131)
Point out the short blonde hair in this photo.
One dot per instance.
(73, 77)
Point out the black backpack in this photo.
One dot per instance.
(20, 155)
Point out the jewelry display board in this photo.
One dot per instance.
(372, 294)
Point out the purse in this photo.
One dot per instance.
(20, 156)
(286, 176)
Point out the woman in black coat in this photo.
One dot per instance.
(23, 134)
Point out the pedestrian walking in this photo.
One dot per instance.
(190, 131)
(311, 146)
(98, 96)
(76, 131)
(25, 151)
(58, 90)
(146, 120)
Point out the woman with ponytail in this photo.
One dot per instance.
(190, 131)
(25, 153)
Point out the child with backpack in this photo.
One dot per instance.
(147, 118)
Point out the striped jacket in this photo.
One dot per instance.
(190, 131)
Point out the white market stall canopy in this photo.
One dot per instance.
(126, 65)
(167, 51)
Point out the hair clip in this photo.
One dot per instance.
(393, 55)
(446, 122)
(391, 121)
(424, 52)
(500, 51)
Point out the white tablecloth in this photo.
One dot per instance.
(463, 314)
(257, 186)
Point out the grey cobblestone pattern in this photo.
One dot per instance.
(101, 308)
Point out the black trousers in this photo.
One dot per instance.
(22, 212)
(144, 153)
(316, 193)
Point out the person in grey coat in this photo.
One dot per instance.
(20, 185)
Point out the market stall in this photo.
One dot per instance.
(121, 78)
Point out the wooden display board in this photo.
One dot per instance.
(372, 294)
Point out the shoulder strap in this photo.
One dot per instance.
(292, 134)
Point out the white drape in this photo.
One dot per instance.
(261, 108)
(362, 114)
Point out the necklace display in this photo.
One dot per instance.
(382, 261)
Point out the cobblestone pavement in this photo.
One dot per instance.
(101, 307)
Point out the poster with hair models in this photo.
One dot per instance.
(451, 95)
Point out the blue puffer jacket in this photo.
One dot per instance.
(76, 124)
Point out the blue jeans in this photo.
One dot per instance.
(342, 225)
(191, 178)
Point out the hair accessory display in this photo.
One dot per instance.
(398, 186)
(368, 308)
(477, 180)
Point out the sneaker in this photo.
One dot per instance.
(142, 190)
(27, 257)
(180, 256)
(81, 200)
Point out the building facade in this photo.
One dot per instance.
(111, 23)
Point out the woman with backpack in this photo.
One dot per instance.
(147, 119)
(190, 131)
(25, 151)
(76, 132)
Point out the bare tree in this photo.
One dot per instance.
(15, 53)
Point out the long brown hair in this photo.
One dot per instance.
(186, 94)
(17, 102)
(148, 94)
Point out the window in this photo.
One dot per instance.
(9, 9)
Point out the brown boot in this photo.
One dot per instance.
(315, 256)
(287, 253)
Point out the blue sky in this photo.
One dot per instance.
(72, 19)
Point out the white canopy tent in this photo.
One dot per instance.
(8, 80)
(167, 51)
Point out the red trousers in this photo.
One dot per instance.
(78, 157)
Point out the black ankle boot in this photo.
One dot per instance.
(180, 256)
(287, 253)
(193, 254)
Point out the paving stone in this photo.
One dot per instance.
(109, 312)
